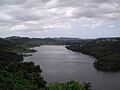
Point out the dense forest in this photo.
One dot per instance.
(18, 75)
(105, 50)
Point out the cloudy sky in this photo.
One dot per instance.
(60, 18)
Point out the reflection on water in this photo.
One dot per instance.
(60, 64)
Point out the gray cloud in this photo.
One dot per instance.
(41, 15)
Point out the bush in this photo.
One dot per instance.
(70, 85)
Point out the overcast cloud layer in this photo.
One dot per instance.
(60, 18)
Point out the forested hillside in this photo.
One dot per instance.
(105, 50)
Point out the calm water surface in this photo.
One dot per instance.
(60, 64)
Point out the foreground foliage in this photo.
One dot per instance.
(21, 76)
(18, 75)
(70, 85)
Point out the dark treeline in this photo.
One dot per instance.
(105, 50)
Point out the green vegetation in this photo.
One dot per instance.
(21, 76)
(70, 85)
(9, 46)
(106, 51)
(21, 50)
(8, 57)
(32, 42)
(18, 75)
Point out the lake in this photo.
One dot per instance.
(60, 64)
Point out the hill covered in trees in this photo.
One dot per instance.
(15, 74)
(105, 50)
(30, 42)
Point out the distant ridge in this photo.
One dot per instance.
(14, 37)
